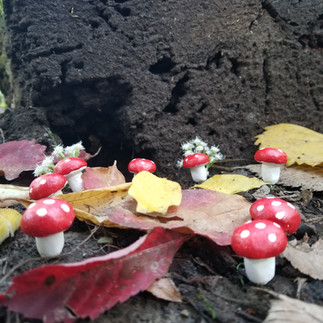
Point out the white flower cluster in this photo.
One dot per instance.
(197, 145)
(47, 165)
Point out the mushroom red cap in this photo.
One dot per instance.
(276, 210)
(68, 165)
(271, 155)
(197, 159)
(259, 239)
(46, 185)
(141, 164)
(47, 216)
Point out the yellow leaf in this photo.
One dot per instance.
(302, 145)
(231, 183)
(154, 194)
(86, 203)
(9, 222)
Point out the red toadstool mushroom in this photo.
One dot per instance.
(47, 185)
(271, 160)
(138, 165)
(46, 220)
(259, 242)
(276, 210)
(72, 169)
(196, 163)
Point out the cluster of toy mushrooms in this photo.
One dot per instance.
(261, 240)
(48, 217)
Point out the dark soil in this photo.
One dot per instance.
(140, 77)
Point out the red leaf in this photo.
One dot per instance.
(97, 177)
(212, 214)
(19, 156)
(90, 287)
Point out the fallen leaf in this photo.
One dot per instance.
(154, 194)
(307, 259)
(204, 212)
(97, 177)
(231, 183)
(307, 177)
(164, 288)
(53, 292)
(10, 194)
(9, 222)
(302, 145)
(287, 309)
(19, 156)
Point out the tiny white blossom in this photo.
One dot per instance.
(58, 151)
(188, 152)
(74, 150)
(214, 149)
(45, 167)
(187, 146)
(197, 141)
(199, 149)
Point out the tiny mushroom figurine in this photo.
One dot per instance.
(259, 242)
(47, 185)
(276, 210)
(72, 169)
(46, 220)
(196, 163)
(271, 159)
(138, 165)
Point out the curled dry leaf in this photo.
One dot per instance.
(286, 309)
(307, 259)
(90, 287)
(98, 177)
(9, 222)
(10, 194)
(166, 289)
(307, 177)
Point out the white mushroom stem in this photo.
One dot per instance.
(199, 173)
(50, 246)
(75, 180)
(270, 172)
(260, 271)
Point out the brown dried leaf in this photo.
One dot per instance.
(166, 289)
(307, 259)
(286, 309)
(10, 194)
(97, 177)
(307, 177)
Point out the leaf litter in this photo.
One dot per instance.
(117, 197)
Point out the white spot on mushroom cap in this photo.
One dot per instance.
(49, 201)
(280, 215)
(272, 237)
(65, 208)
(260, 225)
(41, 212)
(277, 225)
(276, 203)
(245, 234)
(42, 181)
(260, 207)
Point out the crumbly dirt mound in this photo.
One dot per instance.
(140, 77)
